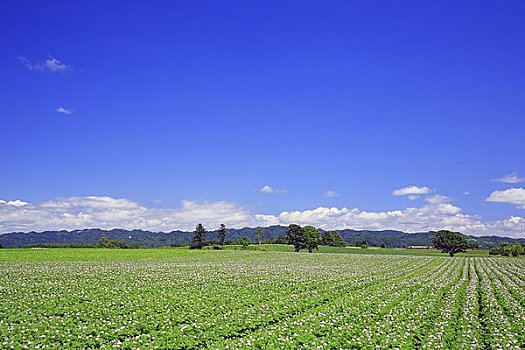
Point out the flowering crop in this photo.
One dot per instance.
(264, 300)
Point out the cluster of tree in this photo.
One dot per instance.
(505, 249)
(200, 239)
(362, 243)
(105, 242)
(307, 237)
(304, 237)
(450, 242)
(333, 238)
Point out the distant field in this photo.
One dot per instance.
(43, 254)
(371, 250)
(182, 299)
(77, 254)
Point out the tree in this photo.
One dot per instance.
(245, 242)
(333, 238)
(104, 242)
(517, 249)
(281, 239)
(500, 249)
(199, 237)
(260, 235)
(296, 237)
(362, 243)
(312, 238)
(450, 242)
(507, 249)
(221, 235)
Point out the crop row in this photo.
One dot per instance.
(231, 300)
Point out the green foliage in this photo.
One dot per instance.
(312, 238)
(221, 235)
(105, 242)
(333, 238)
(245, 242)
(304, 237)
(505, 249)
(113, 243)
(260, 235)
(498, 249)
(362, 243)
(199, 237)
(450, 242)
(517, 249)
(296, 237)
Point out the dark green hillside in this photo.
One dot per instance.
(272, 234)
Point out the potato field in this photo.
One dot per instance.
(264, 300)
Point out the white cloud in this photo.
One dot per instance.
(437, 198)
(425, 218)
(51, 64)
(411, 190)
(428, 217)
(64, 110)
(15, 203)
(512, 196)
(466, 193)
(330, 194)
(108, 213)
(412, 197)
(90, 203)
(270, 189)
(55, 65)
(511, 178)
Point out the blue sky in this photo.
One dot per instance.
(188, 109)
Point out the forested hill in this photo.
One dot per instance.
(388, 238)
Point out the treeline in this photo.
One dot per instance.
(506, 249)
(200, 238)
(307, 237)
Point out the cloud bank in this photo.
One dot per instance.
(108, 213)
(514, 196)
(16, 203)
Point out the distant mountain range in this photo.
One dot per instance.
(388, 238)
